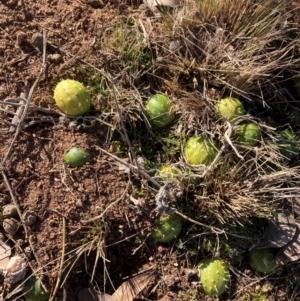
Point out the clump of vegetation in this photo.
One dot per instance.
(214, 276)
(208, 49)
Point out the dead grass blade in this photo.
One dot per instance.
(232, 43)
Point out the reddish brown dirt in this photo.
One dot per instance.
(42, 182)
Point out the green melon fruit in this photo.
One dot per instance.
(166, 228)
(263, 260)
(248, 134)
(158, 110)
(76, 157)
(199, 150)
(288, 144)
(214, 276)
(33, 290)
(72, 97)
(230, 108)
(167, 172)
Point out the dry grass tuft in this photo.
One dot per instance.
(196, 54)
(240, 45)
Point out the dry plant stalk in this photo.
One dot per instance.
(233, 43)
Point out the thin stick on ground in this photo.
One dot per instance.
(20, 109)
(62, 260)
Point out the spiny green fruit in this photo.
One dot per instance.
(76, 157)
(167, 172)
(158, 110)
(199, 150)
(230, 108)
(166, 227)
(248, 134)
(263, 260)
(214, 276)
(72, 97)
(288, 144)
(33, 290)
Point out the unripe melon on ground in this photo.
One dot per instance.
(34, 291)
(248, 134)
(288, 144)
(166, 227)
(214, 276)
(230, 108)
(158, 110)
(75, 157)
(72, 97)
(167, 172)
(199, 150)
(263, 260)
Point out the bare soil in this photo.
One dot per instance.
(43, 183)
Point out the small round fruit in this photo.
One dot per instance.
(34, 291)
(167, 172)
(263, 260)
(199, 150)
(166, 228)
(230, 108)
(214, 276)
(288, 144)
(76, 157)
(72, 97)
(248, 134)
(158, 110)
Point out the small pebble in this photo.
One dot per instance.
(21, 37)
(94, 3)
(10, 226)
(15, 270)
(267, 288)
(56, 58)
(29, 217)
(10, 211)
(37, 40)
(79, 203)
